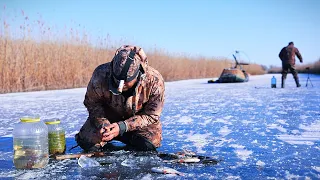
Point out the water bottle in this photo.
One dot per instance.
(30, 144)
(273, 82)
(56, 137)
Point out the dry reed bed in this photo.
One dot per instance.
(27, 65)
(58, 60)
(314, 68)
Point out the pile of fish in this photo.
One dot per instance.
(85, 161)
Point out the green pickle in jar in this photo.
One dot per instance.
(56, 137)
(57, 142)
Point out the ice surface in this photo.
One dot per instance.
(87, 162)
(258, 132)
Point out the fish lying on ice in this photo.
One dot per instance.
(166, 170)
(184, 160)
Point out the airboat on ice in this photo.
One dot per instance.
(233, 74)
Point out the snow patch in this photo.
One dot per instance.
(241, 152)
(317, 168)
(185, 111)
(304, 117)
(185, 120)
(246, 122)
(308, 137)
(224, 131)
(282, 112)
(71, 134)
(281, 121)
(295, 131)
(228, 117)
(206, 122)
(292, 176)
(260, 163)
(233, 177)
(8, 135)
(276, 126)
(219, 120)
(199, 141)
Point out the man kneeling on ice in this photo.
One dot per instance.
(124, 99)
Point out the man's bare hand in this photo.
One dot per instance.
(110, 132)
(105, 129)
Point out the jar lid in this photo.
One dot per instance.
(29, 119)
(55, 121)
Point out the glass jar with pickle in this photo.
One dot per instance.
(30, 144)
(56, 137)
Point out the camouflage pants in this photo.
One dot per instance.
(89, 139)
(285, 68)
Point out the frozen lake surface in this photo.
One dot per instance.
(258, 132)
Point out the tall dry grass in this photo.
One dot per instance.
(27, 65)
(55, 59)
(314, 68)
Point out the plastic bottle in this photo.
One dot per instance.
(56, 137)
(30, 144)
(273, 82)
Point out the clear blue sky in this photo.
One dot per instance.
(211, 28)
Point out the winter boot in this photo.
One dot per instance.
(297, 81)
(283, 80)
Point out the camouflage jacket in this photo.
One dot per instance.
(288, 54)
(140, 112)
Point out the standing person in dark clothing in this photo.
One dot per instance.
(287, 56)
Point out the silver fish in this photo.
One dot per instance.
(184, 160)
(166, 170)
